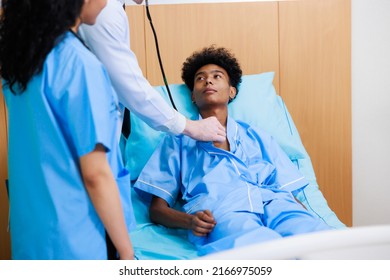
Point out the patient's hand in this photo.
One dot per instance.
(203, 223)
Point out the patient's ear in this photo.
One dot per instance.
(193, 97)
(233, 92)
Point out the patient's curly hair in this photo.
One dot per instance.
(211, 55)
(29, 29)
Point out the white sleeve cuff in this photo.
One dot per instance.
(178, 124)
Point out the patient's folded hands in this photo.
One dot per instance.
(203, 223)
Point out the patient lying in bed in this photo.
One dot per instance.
(235, 193)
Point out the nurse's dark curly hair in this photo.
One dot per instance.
(211, 55)
(29, 29)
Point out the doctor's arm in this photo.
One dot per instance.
(201, 223)
(108, 39)
(103, 191)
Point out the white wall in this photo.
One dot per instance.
(370, 107)
(371, 111)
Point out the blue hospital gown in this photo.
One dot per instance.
(65, 111)
(248, 189)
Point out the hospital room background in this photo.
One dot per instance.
(355, 184)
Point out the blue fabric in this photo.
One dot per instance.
(254, 172)
(151, 241)
(143, 139)
(198, 169)
(65, 111)
(257, 103)
(235, 229)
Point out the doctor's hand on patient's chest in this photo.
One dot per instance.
(202, 223)
(209, 129)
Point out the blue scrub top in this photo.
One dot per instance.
(222, 181)
(65, 111)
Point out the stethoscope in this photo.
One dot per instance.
(159, 55)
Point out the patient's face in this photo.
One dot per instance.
(212, 87)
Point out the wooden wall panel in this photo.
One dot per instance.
(250, 30)
(315, 79)
(137, 22)
(5, 246)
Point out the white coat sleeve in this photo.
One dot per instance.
(109, 40)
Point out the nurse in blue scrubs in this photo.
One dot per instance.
(67, 184)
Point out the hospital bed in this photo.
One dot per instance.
(257, 104)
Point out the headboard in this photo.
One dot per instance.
(306, 43)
